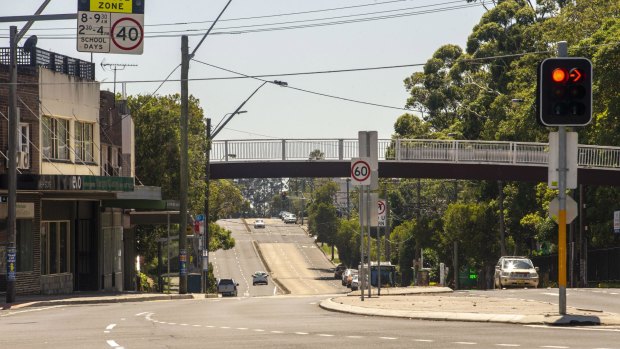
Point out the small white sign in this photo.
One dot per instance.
(360, 171)
(554, 162)
(382, 212)
(571, 209)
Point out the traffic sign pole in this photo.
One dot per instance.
(562, 52)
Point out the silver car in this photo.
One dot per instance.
(260, 277)
(515, 271)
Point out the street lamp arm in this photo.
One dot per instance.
(218, 129)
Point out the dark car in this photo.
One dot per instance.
(340, 268)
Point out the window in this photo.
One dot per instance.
(83, 142)
(24, 247)
(55, 138)
(24, 139)
(55, 256)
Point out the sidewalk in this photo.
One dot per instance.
(441, 303)
(28, 301)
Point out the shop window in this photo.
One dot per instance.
(55, 138)
(55, 251)
(23, 239)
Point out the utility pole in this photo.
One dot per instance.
(183, 173)
(12, 184)
(205, 249)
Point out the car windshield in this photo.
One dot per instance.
(518, 264)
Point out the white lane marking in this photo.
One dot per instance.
(572, 328)
(242, 328)
(122, 319)
(224, 327)
(142, 313)
(275, 290)
(172, 323)
(325, 335)
(277, 332)
(614, 293)
(196, 325)
(554, 346)
(209, 326)
(31, 310)
(184, 324)
(508, 345)
(465, 343)
(302, 333)
(549, 294)
(423, 340)
(112, 343)
(356, 337)
(259, 330)
(313, 303)
(388, 337)
(109, 328)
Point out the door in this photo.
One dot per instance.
(86, 253)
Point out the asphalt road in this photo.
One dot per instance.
(291, 256)
(268, 322)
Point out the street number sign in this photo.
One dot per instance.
(110, 26)
(360, 171)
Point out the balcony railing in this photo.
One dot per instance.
(409, 150)
(50, 60)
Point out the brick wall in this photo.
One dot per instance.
(28, 92)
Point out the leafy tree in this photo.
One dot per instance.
(322, 218)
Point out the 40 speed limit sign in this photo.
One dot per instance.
(360, 171)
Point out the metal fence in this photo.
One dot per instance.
(602, 266)
(50, 60)
(487, 152)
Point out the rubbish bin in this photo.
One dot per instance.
(193, 283)
(422, 277)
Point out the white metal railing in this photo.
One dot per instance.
(409, 150)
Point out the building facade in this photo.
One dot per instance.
(75, 150)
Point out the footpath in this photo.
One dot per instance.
(441, 303)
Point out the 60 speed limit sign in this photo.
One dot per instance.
(360, 171)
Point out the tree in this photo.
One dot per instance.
(322, 218)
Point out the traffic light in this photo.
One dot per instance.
(565, 92)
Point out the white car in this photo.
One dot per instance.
(259, 223)
(290, 218)
(260, 277)
(355, 284)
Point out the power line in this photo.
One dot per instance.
(167, 34)
(308, 91)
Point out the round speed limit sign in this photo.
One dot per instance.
(127, 34)
(360, 171)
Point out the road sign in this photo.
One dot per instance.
(200, 217)
(382, 212)
(571, 209)
(553, 175)
(360, 171)
(617, 222)
(110, 26)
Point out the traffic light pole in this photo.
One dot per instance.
(562, 52)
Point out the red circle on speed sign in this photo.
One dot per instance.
(139, 34)
(364, 167)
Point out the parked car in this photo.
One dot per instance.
(283, 214)
(259, 223)
(260, 277)
(355, 284)
(340, 268)
(515, 271)
(227, 287)
(290, 218)
(347, 277)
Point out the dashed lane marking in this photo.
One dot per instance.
(554, 346)
(389, 338)
(113, 344)
(508, 345)
(465, 343)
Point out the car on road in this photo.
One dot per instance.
(290, 218)
(227, 287)
(259, 223)
(515, 271)
(355, 284)
(260, 277)
(347, 277)
(340, 268)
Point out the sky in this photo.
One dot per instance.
(402, 32)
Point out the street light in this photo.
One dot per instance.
(218, 124)
(210, 136)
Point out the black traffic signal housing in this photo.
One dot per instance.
(565, 91)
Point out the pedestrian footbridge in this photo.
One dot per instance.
(407, 158)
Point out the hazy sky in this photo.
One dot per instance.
(401, 32)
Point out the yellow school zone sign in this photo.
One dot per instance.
(119, 6)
